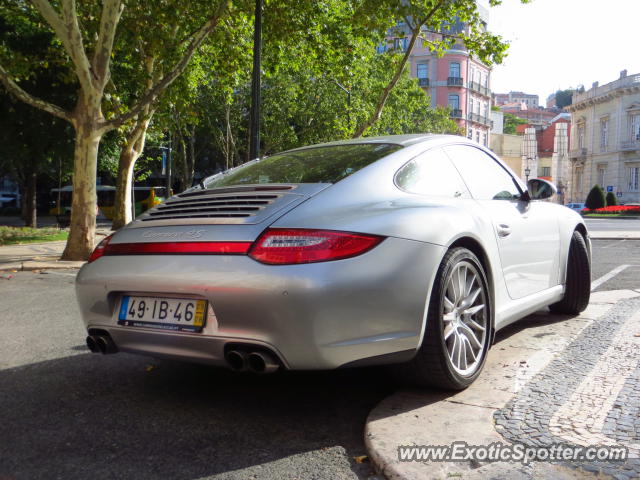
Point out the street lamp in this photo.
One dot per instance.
(527, 170)
(166, 166)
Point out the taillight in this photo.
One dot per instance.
(99, 250)
(280, 246)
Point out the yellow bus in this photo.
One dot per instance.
(145, 198)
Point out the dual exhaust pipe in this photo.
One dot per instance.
(238, 360)
(256, 362)
(101, 344)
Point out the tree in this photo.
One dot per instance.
(595, 199)
(436, 23)
(87, 37)
(611, 199)
(564, 98)
(32, 143)
(511, 122)
(219, 57)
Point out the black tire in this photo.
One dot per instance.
(578, 283)
(432, 365)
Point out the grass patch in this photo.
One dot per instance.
(18, 235)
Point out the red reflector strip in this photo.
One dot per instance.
(177, 248)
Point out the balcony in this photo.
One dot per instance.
(423, 82)
(456, 113)
(454, 82)
(578, 152)
(630, 146)
(474, 117)
(476, 87)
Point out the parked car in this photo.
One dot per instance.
(410, 249)
(9, 199)
(578, 207)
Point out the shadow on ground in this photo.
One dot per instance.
(88, 416)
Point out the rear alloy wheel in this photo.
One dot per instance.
(578, 285)
(459, 325)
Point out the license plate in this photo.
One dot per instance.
(178, 314)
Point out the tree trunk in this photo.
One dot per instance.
(122, 213)
(30, 216)
(131, 151)
(83, 206)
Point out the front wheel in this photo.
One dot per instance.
(459, 324)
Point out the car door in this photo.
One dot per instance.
(527, 232)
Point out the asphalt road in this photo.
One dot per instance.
(68, 414)
(613, 224)
(609, 256)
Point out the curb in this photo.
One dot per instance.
(437, 418)
(31, 265)
(614, 235)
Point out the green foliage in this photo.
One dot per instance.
(511, 122)
(611, 199)
(16, 235)
(564, 98)
(596, 198)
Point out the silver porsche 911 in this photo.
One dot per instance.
(411, 250)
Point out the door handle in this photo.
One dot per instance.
(504, 230)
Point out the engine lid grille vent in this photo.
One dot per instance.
(212, 206)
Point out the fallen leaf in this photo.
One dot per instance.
(361, 459)
(150, 368)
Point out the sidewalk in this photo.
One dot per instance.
(38, 256)
(549, 380)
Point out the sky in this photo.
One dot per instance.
(559, 44)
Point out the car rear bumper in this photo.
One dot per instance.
(315, 316)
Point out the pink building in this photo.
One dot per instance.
(456, 80)
(459, 81)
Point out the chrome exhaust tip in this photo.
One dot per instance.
(237, 360)
(262, 362)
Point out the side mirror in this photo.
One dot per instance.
(540, 189)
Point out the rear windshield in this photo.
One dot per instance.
(313, 165)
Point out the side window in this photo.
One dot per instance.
(485, 178)
(431, 173)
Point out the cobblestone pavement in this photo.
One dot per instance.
(588, 395)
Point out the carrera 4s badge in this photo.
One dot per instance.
(189, 234)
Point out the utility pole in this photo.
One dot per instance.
(254, 123)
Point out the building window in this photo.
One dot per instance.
(604, 134)
(634, 179)
(578, 179)
(478, 136)
(454, 69)
(454, 101)
(581, 136)
(381, 48)
(470, 134)
(400, 43)
(635, 127)
(423, 70)
(601, 175)
(545, 172)
(484, 139)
